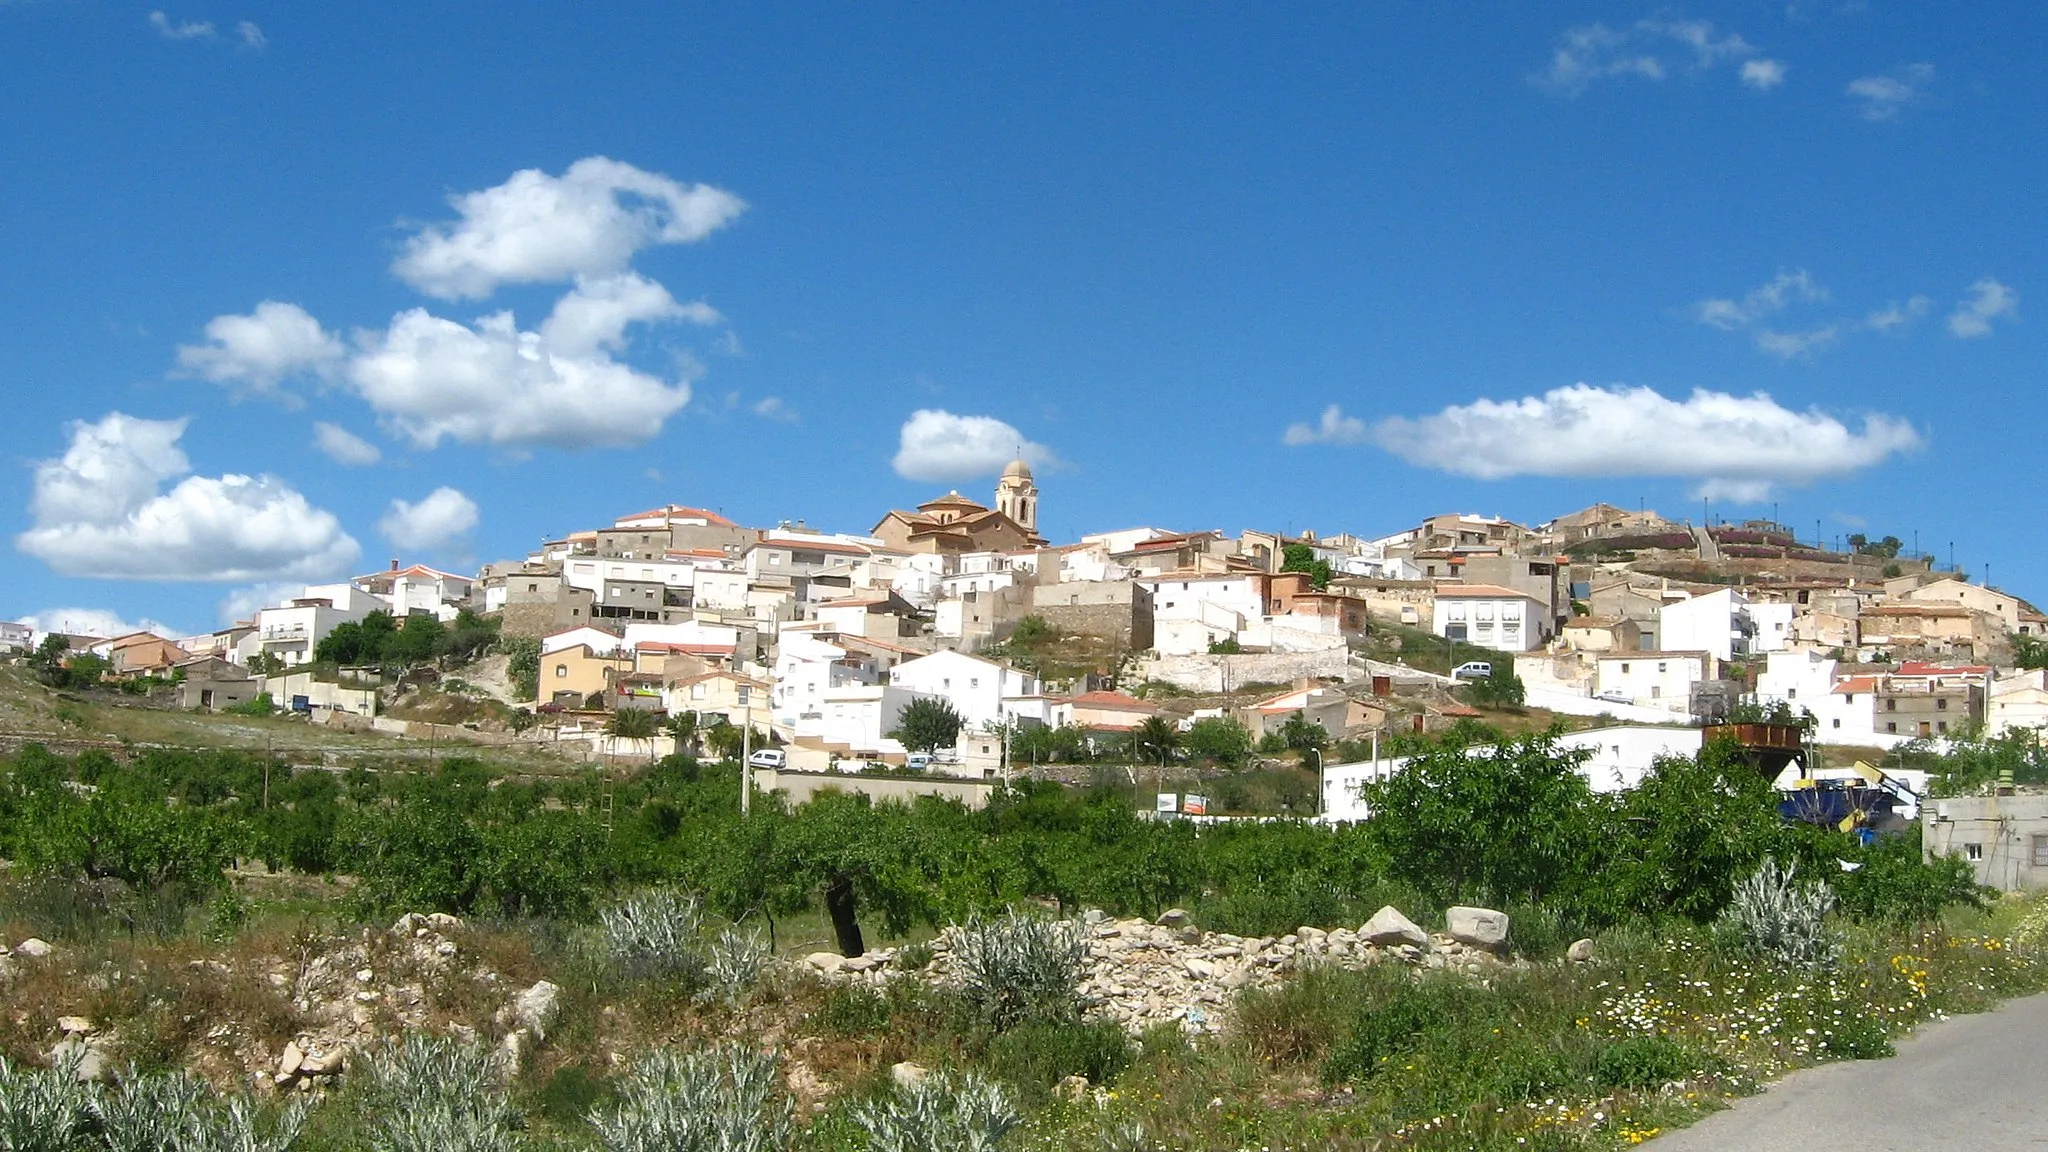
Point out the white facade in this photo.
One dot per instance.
(1650, 679)
(1718, 622)
(1495, 618)
(808, 666)
(1190, 596)
(2017, 701)
(1774, 629)
(291, 632)
(977, 688)
(1808, 679)
(599, 641)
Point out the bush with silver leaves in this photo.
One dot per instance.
(43, 1111)
(1778, 917)
(734, 962)
(940, 1114)
(428, 1093)
(52, 1111)
(655, 934)
(722, 1099)
(1018, 968)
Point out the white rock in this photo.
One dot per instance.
(442, 921)
(364, 975)
(328, 1065)
(827, 962)
(908, 1075)
(1479, 927)
(1199, 968)
(288, 1065)
(74, 1025)
(1389, 927)
(1174, 918)
(537, 1008)
(91, 1063)
(34, 948)
(1581, 952)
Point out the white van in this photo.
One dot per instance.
(1472, 670)
(769, 758)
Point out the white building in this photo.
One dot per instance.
(977, 688)
(418, 589)
(1843, 709)
(293, 630)
(1651, 679)
(2019, 701)
(811, 663)
(1489, 616)
(1726, 624)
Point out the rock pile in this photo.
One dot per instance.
(1141, 974)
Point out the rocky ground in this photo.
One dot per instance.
(1142, 973)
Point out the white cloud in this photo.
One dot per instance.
(442, 518)
(251, 35)
(343, 446)
(1333, 428)
(728, 344)
(491, 383)
(1898, 315)
(1883, 96)
(1732, 444)
(1796, 345)
(1766, 300)
(100, 511)
(1988, 301)
(243, 603)
(1650, 50)
(1763, 75)
(772, 408)
(99, 622)
(171, 29)
(589, 221)
(261, 349)
(936, 445)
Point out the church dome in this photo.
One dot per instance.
(1017, 470)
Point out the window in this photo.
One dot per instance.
(1663, 667)
(561, 670)
(1941, 725)
(974, 682)
(2040, 850)
(1838, 721)
(1656, 691)
(1891, 726)
(1941, 705)
(1624, 668)
(746, 694)
(532, 587)
(1973, 851)
(1891, 704)
(1791, 693)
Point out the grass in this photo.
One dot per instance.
(1666, 1024)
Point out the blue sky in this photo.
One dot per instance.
(276, 267)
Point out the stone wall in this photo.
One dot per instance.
(1120, 612)
(799, 787)
(1201, 673)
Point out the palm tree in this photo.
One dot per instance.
(683, 728)
(636, 724)
(1158, 737)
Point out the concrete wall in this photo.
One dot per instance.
(2004, 838)
(801, 786)
(1227, 673)
(321, 693)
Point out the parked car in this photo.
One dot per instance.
(918, 761)
(769, 758)
(1472, 670)
(1614, 696)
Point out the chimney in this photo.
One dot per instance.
(394, 564)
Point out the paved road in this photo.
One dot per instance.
(1974, 1082)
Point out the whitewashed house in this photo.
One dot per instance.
(978, 689)
(1489, 616)
(1651, 679)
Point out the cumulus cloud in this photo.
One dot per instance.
(343, 446)
(442, 518)
(1797, 345)
(257, 351)
(937, 445)
(1650, 50)
(1763, 75)
(1898, 314)
(589, 221)
(243, 603)
(171, 29)
(491, 383)
(1881, 97)
(1733, 445)
(101, 622)
(772, 408)
(101, 511)
(1759, 302)
(1987, 301)
(1333, 428)
(251, 35)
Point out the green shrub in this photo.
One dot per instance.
(914, 957)
(1641, 1063)
(940, 1114)
(428, 1093)
(722, 1099)
(1777, 917)
(261, 705)
(1895, 884)
(1298, 1021)
(571, 1093)
(1034, 1058)
(1018, 968)
(1403, 1010)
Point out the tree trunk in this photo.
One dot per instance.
(839, 901)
